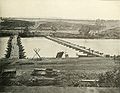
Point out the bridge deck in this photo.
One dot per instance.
(76, 47)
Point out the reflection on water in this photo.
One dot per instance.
(49, 48)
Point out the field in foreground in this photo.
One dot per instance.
(85, 64)
(73, 70)
(51, 89)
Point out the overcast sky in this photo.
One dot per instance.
(72, 9)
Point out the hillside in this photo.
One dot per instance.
(113, 33)
(64, 28)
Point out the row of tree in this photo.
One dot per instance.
(21, 48)
(9, 48)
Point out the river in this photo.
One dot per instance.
(49, 48)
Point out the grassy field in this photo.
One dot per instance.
(73, 69)
(88, 67)
(90, 64)
(51, 89)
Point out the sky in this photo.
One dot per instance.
(70, 9)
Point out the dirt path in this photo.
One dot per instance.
(15, 48)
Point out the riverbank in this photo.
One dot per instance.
(43, 34)
(64, 34)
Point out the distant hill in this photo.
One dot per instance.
(94, 28)
(113, 33)
(10, 24)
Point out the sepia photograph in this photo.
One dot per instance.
(59, 46)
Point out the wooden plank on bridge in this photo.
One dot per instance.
(76, 47)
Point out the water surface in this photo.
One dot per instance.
(49, 48)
